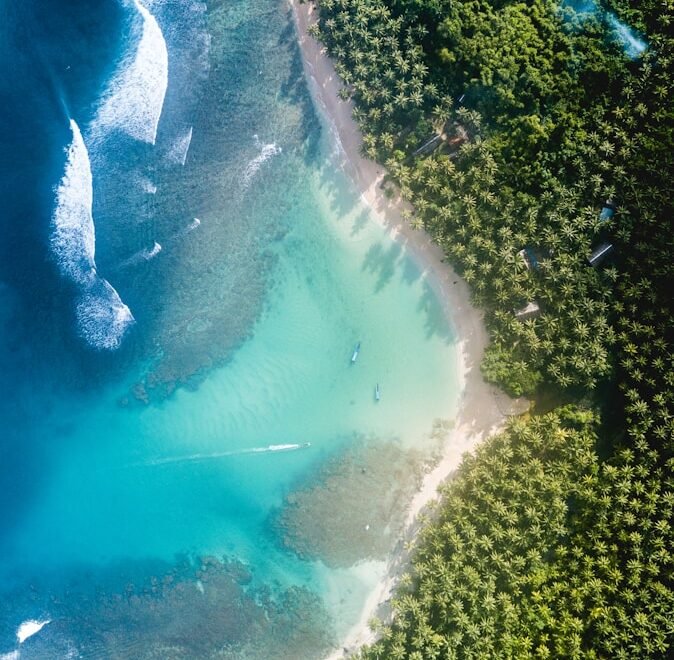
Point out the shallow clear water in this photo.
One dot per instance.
(123, 469)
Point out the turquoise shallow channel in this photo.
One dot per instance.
(169, 500)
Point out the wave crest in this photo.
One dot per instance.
(73, 240)
(29, 628)
(178, 151)
(101, 315)
(135, 98)
(142, 255)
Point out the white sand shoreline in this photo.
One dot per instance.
(482, 407)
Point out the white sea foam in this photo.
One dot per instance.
(181, 233)
(29, 628)
(184, 27)
(135, 97)
(73, 243)
(102, 317)
(152, 252)
(72, 237)
(178, 151)
(142, 255)
(267, 151)
(12, 655)
(193, 225)
(147, 185)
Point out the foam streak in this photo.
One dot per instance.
(142, 255)
(267, 151)
(178, 152)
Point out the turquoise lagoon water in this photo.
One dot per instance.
(143, 481)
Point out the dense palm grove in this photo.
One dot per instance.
(527, 136)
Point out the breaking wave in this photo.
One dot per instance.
(133, 102)
(142, 255)
(72, 239)
(12, 655)
(188, 228)
(29, 628)
(101, 315)
(147, 185)
(178, 151)
(267, 151)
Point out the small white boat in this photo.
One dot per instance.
(377, 393)
(356, 350)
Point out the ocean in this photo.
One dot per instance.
(191, 465)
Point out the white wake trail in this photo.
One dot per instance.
(195, 458)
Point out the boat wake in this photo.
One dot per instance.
(101, 315)
(195, 458)
(134, 100)
(267, 151)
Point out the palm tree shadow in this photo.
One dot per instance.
(343, 200)
(383, 263)
(411, 272)
(360, 222)
(435, 322)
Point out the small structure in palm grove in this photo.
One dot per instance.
(603, 251)
(429, 146)
(607, 211)
(530, 311)
(530, 257)
(459, 137)
(452, 136)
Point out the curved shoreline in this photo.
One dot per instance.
(482, 408)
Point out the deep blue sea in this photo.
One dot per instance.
(191, 466)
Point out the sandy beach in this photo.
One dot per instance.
(483, 408)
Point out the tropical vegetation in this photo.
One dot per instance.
(535, 143)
